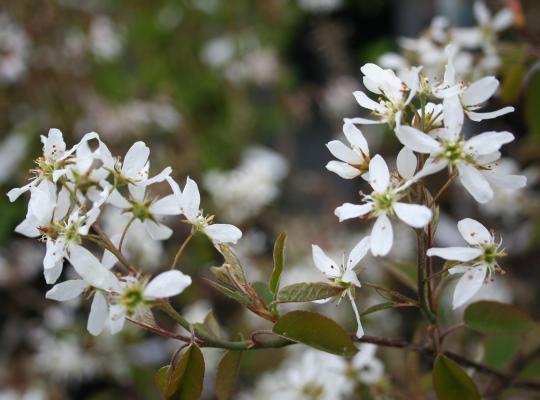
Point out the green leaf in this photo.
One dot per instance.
(233, 264)
(279, 262)
(227, 374)
(532, 370)
(238, 296)
(316, 331)
(263, 291)
(185, 380)
(493, 317)
(512, 82)
(451, 382)
(211, 325)
(307, 291)
(379, 307)
(500, 350)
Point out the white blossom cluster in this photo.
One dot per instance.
(427, 117)
(317, 375)
(477, 53)
(14, 50)
(70, 189)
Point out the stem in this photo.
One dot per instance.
(112, 248)
(443, 188)
(181, 250)
(421, 268)
(158, 331)
(124, 233)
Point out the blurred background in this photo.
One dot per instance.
(241, 95)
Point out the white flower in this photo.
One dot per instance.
(344, 273)
(394, 94)
(148, 211)
(382, 203)
(189, 201)
(354, 160)
(367, 367)
(472, 96)
(14, 50)
(477, 262)
(473, 159)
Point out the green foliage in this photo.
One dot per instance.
(533, 104)
(494, 317)
(263, 291)
(279, 261)
(185, 380)
(317, 331)
(308, 291)
(451, 382)
(531, 370)
(227, 374)
(379, 307)
(500, 350)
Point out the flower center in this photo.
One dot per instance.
(383, 202)
(313, 390)
(453, 151)
(132, 298)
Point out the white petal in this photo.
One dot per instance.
(66, 290)
(167, 205)
(480, 91)
(342, 169)
(28, 227)
(90, 269)
(223, 233)
(417, 140)
(355, 137)
(358, 253)
(324, 263)
(344, 153)
(504, 181)
(364, 121)
(468, 285)
(15, 193)
(117, 318)
(117, 200)
(455, 253)
(413, 215)
(365, 101)
(474, 232)
(480, 116)
(62, 204)
(350, 277)
(191, 199)
(487, 142)
(135, 159)
(382, 236)
(348, 210)
(503, 19)
(475, 183)
(159, 177)
(431, 166)
(458, 269)
(137, 191)
(379, 175)
(359, 329)
(481, 12)
(53, 145)
(175, 188)
(406, 163)
(51, 275)
(453, 116)
(157, 231)
(98, 314)
(167, 284)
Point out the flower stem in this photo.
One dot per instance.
(181, 250)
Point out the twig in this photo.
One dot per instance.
(181, 250)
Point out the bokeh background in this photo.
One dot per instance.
(241, 95)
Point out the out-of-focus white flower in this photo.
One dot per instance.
(354, 160)
(260, 66)
(30, 394)
(320, 6)
(343, 273)
(218, 51)
(14, 50)
(12, 151)
(382, 203)
(366, 367)
(336, 99)
(477, 263)
(241, 193)
(189, 201)
(105, 41)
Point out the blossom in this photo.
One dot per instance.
(366, 366)
(382, 203)
(394, 94)
(472, 159)
(14, 49)
(344, 275)
(477, 262)
(354, 159)
(189, 201)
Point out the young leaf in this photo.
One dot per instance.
(279, 261)
(494, 317)
(227, 374)
(317, 331)
(451, 382)
(307, 291)
(211, 325)
(499, 350)
(263, 291)
(238, 296)
(379, 307)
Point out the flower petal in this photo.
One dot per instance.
(167, 205)
(417, 140)
(487, 142)
(382, 236)
(504, 181)
(344, 170)
(413, 215)
(364, 101)
(191, 199)
(455, 253)
(359, 329)
(66, 290)
(406, 163)
(157, 231)
(223, 233)
(468, 285)
(324, 263)
(355, 137)
(348, 210)
(480, 91)
(167, 284)
(475, 183)
(98, 314)
(344, 153)
(358, 253)
(480, 116)
(474, 232)
(90, 269)
(135, 159)
(379, 175)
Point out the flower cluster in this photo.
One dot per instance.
(427, 117)
(477, 54)
(69, 191)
